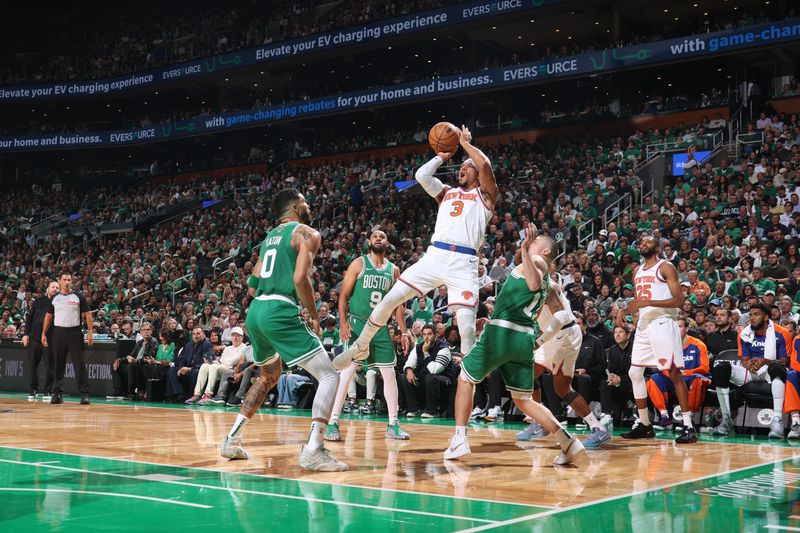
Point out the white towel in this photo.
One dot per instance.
(749, 336)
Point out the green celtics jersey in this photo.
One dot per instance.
(278, 260)
(371, 286)
(518, 304)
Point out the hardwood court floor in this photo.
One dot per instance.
(122, 467)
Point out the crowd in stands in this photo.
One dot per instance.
(731, 230)
(207, 29)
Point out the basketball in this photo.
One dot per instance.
(443, 137)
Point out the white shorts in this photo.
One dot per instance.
(740, 375)
(658, 344)
(458, 272)
(560, 352)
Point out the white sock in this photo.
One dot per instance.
(563, 437)
(796, 417)
(238, 426)
(390, 393)
(663, 412)
(592, 421)
(778, 391)
(723, 395)
(315, 437)
(644, 416)
(687, 419)
(461, 431)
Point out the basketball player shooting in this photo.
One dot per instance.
(451, 259)
(658, 340)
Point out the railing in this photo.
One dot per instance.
(219, 260)
(583, 239)
(621, 206)
(171, 284)
(757, 137)
(710, 141)
(140, 295)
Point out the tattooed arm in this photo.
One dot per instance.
(268, 376)
(306, 242)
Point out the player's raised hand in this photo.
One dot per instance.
(446, 156)
(465, 136)
(530, 236)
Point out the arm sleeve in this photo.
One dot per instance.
(560, 318)
(411, 362)
(84, 305)
(443, 358)
(424, 175)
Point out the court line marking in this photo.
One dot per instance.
(272, 476)
(619, 497)
(416, 423)
(255, 492)
(783, 528)
(113, 494)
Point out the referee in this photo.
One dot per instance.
(64, 314)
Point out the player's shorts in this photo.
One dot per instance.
(506, 346)
(276, 330)
(741, 375)
(456, 271)
(381, 347)
(657, 343)
(561, 351)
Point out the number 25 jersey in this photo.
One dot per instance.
(650, 285)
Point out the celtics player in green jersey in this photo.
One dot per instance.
(281, 287)
(507, 344)
(366, 282)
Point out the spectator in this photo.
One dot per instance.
(230, 360)
(182, 376)
(127, 372)
(616, 390)
(155, 368)
(427, 369)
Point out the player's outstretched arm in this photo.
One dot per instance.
(348, 284)
(306, 241)
(486, 179)
(425, 175)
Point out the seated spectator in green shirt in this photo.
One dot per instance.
(761, 283)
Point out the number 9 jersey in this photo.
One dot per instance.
(650, 285)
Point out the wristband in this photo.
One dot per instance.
(252, 282)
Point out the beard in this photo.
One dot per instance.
(649, 253)
(377, 249)
(305, 217)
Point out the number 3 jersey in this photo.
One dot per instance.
(462, 218)
(650, 285)
(371, 286)
(278, 260)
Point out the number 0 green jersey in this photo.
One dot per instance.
(518, 304)
(278, 260)
(371, 286)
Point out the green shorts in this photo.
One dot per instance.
(275, 327)
(381, 347)
(507, 349)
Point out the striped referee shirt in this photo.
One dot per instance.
(67, 309)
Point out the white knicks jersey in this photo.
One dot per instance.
(462, 218)
(650, 285)
(545, 315)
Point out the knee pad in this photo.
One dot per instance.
(466, 327)
(569, 397)
(721, 375)
(777, 371)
